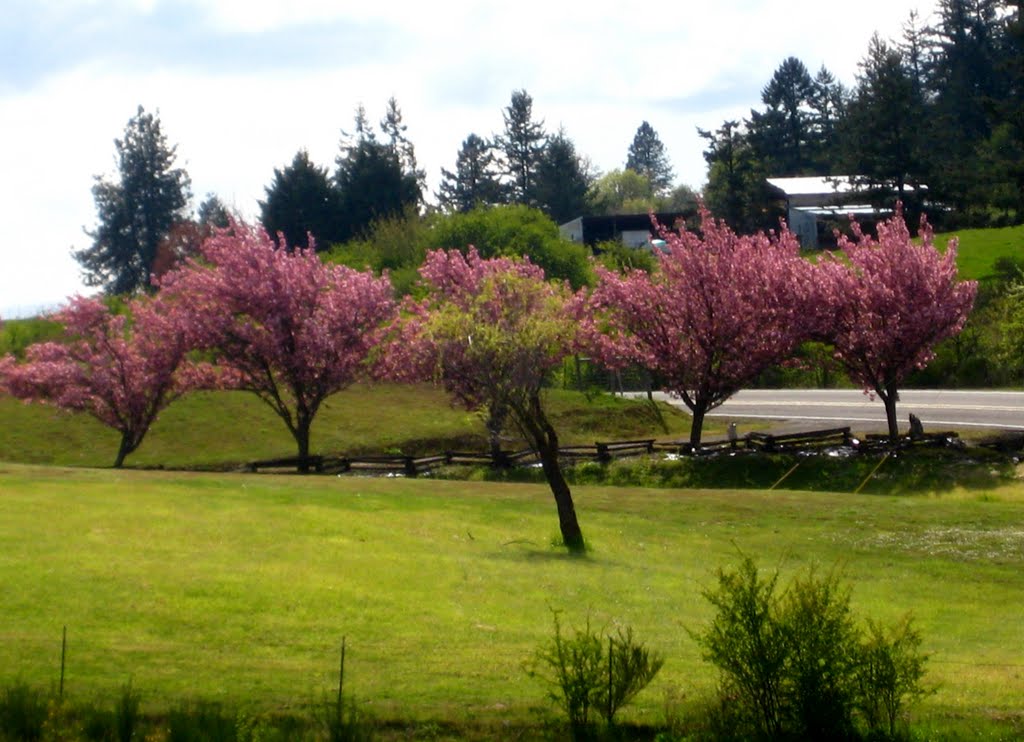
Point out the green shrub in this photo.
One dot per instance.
(795, 665)
(747, 643)
(889, 675)
(822, 653)
(587, 675)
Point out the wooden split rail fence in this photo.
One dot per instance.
(603, 452)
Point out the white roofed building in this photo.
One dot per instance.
(812, 202)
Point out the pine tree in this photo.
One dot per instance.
(475, 180)
(394, 129)
(137, 211)
(301, 201)
(964, 75)
(213, 213)
(522, 144)
(648, 157)
(883, 131)
(371, 181)
(828, 104)
(563, 185)
(784, 133)
(736, 190)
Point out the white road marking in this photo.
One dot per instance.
(880, 419)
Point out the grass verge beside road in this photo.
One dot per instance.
(238, 589)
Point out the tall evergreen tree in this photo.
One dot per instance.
(883, 132)
(1005, 148)
(736, 190)
(371, 181)
(475, 181)
(784, 133)
(522, 144)
(648, 157)
(213, 213)
(828, 104)
(137, 211)
(301, 201)
(964, 75)
(563, 185)
(394, 128)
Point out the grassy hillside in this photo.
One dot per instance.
(980, 248)
(238, 589)
(223, 429)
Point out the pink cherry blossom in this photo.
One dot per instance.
(719, 309)
(892, 301)
(282, 324)
(122, 369)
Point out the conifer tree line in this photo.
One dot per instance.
(940, 107)
(145, 227)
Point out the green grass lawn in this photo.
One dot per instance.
(239, 588)
(980, 248)
(225, 429)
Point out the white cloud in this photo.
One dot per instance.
(241, 85)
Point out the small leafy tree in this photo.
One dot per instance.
(587, 672)
(719, 309)
(490, 332)
(891, 301)
(889, 675)
(120, 368)
(282, 324)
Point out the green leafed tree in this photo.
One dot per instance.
(301, 201)
(647, 156)
(136, 210)
(623, 192)
(515, 231)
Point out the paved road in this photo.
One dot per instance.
(937, 408)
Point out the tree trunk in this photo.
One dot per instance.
(302, 439)
(889, 398)
(569, 526)
(697, 426)
(495, 424)
(123, 450)
(545, 439)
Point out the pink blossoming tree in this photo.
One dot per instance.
(490, 332)
(122, 369)
(281, 324)
(719, 309)
(891, 302)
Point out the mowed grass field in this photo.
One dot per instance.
(239, 588)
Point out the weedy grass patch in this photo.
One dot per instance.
(237, 589)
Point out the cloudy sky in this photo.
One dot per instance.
(241, 85)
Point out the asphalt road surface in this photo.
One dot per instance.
(939, 409)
